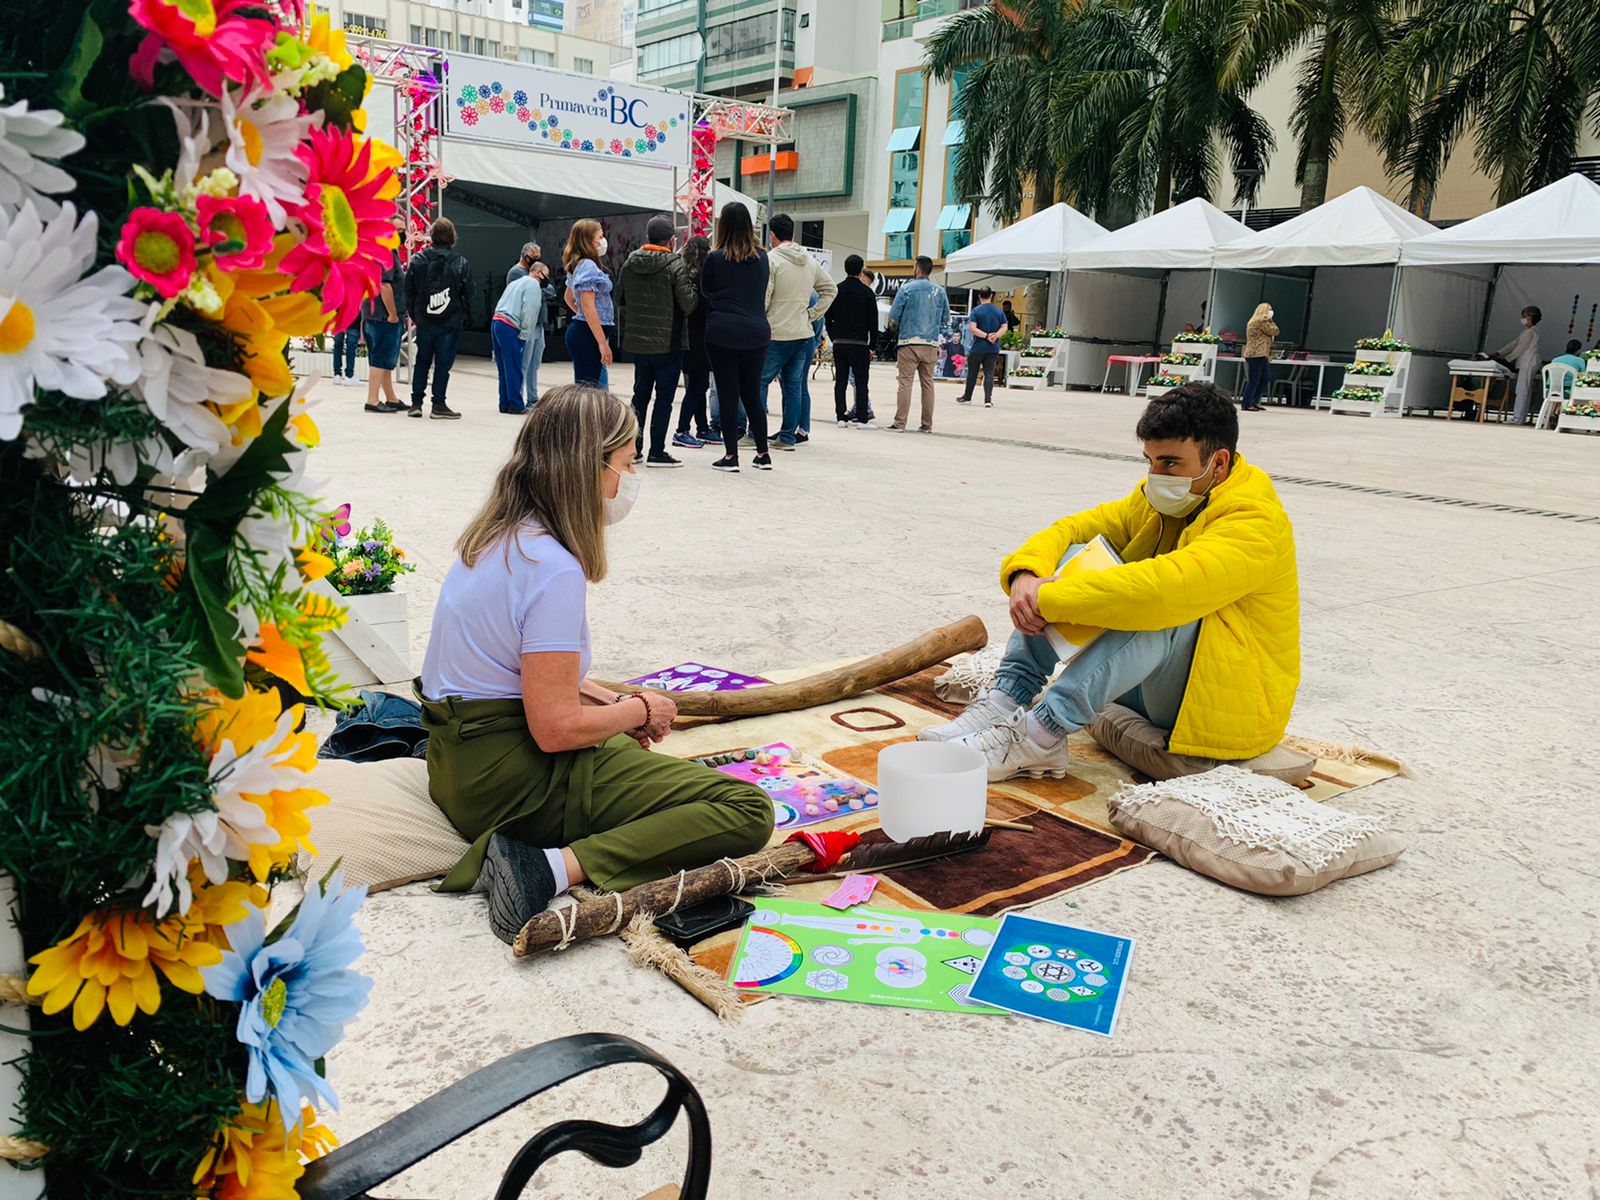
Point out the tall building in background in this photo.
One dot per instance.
(548, 14)
(608, 20)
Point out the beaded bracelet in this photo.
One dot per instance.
(649, 713)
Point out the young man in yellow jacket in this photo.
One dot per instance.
(1201, 621)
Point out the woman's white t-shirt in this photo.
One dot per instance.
(532, 600)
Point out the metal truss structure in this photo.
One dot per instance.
(715, 118)
(417, 76)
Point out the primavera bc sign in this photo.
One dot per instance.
(491, 100)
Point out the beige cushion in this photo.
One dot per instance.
(1143, 747)
(1191, 838)
(380, 824)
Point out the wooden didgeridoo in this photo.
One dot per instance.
(965, 635)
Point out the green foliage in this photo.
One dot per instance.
(1369, 368)
(1385, 341)
(1181, 360)
(1203, 337)
(369, 562)
(1358, 393)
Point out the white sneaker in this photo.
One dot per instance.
(990, 708)
(1012, 752)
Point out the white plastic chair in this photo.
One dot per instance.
(1557, 378)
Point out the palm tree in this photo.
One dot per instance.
(1521, 75)
(1115, 104)
(1342, 43)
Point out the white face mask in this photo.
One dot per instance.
(621, 504)
(1170, 495)
(602, 250)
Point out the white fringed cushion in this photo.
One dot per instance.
(380, 824)
(1251, 831)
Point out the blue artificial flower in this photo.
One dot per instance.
(297, 994)
(372, 546)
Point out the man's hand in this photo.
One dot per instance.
(1025, 613)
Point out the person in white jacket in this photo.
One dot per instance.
(794, 276)
(1522, 352)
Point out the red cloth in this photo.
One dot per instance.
(828, 847)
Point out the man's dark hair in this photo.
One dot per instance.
(924, 265)
(658, 230)
(443, 232)
(853, 265)
(781, 227)
(1199, 411)
(1533, 311)
(985, 294)
(1574, 346)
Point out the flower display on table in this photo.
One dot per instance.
(184, 187)
(1042, 332)
(1041, 353)
(1586, 408)
(1202, 336)
(1369, 368)
(1387, 341)
(1028, 373)
(1167, 381)
(1180, 360)
(367, 562)
(1586, 379)
(1372, 395)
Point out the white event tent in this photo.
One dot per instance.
(1032, 248)
(1466, 286)
(1129, 291)
(1330, 273)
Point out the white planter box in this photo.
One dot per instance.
(1594, 364)
(1152, 391)
(1208, 359)
(1364, 408)
(320, 362)
(1031, 383)
(1051, 344)
(374, 644)
(1188, 372)
(1566, 424)
(1591, 394)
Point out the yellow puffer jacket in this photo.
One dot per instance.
(1232, 568)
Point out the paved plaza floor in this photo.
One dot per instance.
(1426, 1031)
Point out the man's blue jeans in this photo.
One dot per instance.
(532, 356)
(787, 362)
(344, 351)
(1146, 670)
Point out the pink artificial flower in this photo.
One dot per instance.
(214, 40)
(158, 248)
(241, 219)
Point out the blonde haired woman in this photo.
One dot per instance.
(590, 331)
(550, 775)
(1258, 337)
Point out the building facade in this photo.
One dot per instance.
(489, 28)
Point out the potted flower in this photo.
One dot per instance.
(1013, 339)
(1031, 378)
(1366, 395)
(1370, 368)
(1164, 382)
(1582, 416)
(1197, 337)
(1046, 341)
(1177, 359)
(365, 568)
(1387, 341)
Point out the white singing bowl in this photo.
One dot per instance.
(931, 787)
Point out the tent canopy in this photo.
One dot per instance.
(1037, 245)
(1556, 224)
(1184, 237)
(1359, 228)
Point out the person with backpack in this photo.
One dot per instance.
(439, 301)
(653, 295)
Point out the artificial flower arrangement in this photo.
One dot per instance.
(1028, 373)
(184, 186)
(1180, 360)
(1013, 339)
(1042, 332)
(1041, 352)
(1586, 379)
(366, 563)
(1369, 368)
(1387, 341)
(1372, 395)
(1203, 336)
(1164, 380)
(1586, 408)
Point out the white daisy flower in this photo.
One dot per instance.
(234, 825)
(175, 383)
(26, 138)
(262, 136)
(59, 330)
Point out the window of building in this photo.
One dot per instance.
(811, 234)
(494, 49)
(416, 35)
(656, 6)
(370, 26)
(747, 38)
(446, 42)
(430, 37)
(909, 95)
(900, 245)
(543, 58)
(477, 46)
(805, 20)
(904, 172)
(516, 3)
(670, 55)
(584, 66)
(952, 240)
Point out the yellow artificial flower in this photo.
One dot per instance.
(112, 961)
(254, 1159)
(216, 906)
(313, 564)
(326, 40)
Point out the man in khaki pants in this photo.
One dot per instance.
(921, 310)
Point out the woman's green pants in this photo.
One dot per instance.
(628, 814)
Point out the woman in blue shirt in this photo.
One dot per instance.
(589, 333)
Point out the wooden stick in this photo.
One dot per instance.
(1019, 826)
(967, 634)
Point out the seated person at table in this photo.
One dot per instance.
(550, 775)
(1202, 620)
(1572, 358)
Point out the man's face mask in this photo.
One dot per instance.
(1173, 495)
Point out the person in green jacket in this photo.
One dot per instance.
(548, 774)
(653, 294)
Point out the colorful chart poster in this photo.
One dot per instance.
(802, 791)
(870, 955)
(1055, 972)
(692, 677)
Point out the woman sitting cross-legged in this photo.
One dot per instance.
(552, 776)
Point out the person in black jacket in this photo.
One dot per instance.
(439, 301)
(733, 290)
(696, 366)
(853, 328)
